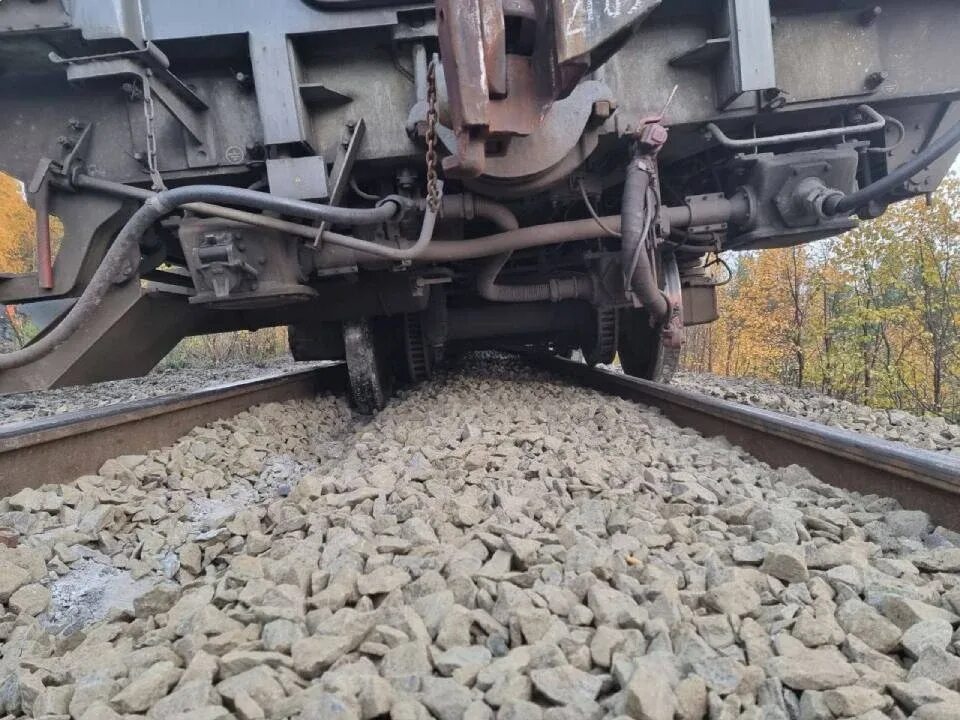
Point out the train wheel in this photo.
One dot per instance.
(603, 347)
(643, 352)
(419, 357)
(366, 351)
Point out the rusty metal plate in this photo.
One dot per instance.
(582, 25)
(558, 132)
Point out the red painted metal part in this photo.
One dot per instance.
(41, 204)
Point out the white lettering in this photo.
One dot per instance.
(574, 24)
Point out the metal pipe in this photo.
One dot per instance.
(843, 205)
(128, 240)
(503, 321)
(735, 209)
(554, 289)
(210, 197)
(878, 122)
(268, 222)
(468, 206)
(411, 252)
(638, 210)
(41, 206)
(387, 210)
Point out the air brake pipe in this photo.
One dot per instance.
(735, 209)
(387, 210)
(839, 204)
(207, 194)
(156, 207)
(634, 230)
(468, 206)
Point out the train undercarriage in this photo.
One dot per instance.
(398, 182)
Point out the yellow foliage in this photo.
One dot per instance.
(872, 316)
(17, 228)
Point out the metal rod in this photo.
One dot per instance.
(877, 123)
(41, 205)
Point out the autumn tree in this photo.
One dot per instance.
(17, 228)
(872, 316)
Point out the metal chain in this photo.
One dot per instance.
(149, 113)
(433, 181)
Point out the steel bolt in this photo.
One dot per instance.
(602, 109)
(875, 79)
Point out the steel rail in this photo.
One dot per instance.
(59, 449)
(919, 479)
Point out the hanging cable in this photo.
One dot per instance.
(717, 260)
(903, 136)
(593, 213)
(360, 193)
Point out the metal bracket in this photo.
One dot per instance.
(221, 266)
(110, 19)
(152, 67)
(347, 153)
(745, 41)
(74, 158)
(39, 189)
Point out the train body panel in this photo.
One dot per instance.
(500, 161)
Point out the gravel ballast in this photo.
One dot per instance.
(24, 407)
(493, 545)
(930, 432)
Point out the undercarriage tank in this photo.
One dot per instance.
(398, 182)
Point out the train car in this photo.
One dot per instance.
(396, 182)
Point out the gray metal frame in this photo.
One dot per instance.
(255, 92)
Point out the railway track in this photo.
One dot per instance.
(56, 450)
(61, 448)
(919, 479)
(500, 535)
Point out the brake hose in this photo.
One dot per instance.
(845, 204)
(161, 204)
